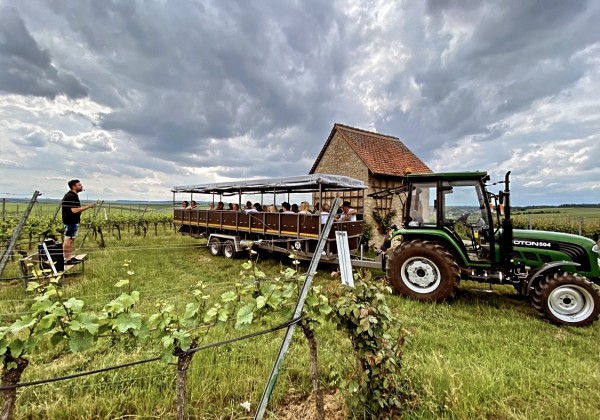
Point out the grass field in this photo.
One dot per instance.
(484, 355)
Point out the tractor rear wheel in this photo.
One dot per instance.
(424, 271)
(567, 299)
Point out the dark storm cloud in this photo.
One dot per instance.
(190, 72)
(515, 54)
(27, 69)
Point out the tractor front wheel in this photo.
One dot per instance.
(567, 299)
(424, 271)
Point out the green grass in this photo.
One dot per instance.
(484, 355)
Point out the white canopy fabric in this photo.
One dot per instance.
(299, 184)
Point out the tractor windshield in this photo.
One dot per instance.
(464, 201)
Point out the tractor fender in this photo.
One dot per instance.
(542, 270)
(435, 235)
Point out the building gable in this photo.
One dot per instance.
(381, 154)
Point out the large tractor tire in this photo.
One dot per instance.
(424, 271)
(567, 299)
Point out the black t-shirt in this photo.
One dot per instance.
(69, 201)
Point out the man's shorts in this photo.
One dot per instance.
(71, 230)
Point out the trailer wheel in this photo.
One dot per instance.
(567, 299)
(424, 271)
(214, 245)
(229, 249)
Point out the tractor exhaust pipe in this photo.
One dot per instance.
(506, 242)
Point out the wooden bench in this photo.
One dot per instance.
(31, 270)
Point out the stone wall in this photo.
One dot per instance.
(340, 159)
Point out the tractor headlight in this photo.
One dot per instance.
(595, 248)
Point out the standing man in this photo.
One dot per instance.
(71, 215)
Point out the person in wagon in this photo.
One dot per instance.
(184, 204)
(286, 207)
(192, 205)
(324, 213)
(348, 213)
(304, 208)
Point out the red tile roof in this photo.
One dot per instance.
(383, 155)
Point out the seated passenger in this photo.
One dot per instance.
(248, 205)
(230, 206)
(185, 204)
(294, 208)
(316, 209)
(220, 206)
(236, 207)
(286, 208)
(304, 209)
(254, 209)
(272, 208)
(324, 213)
(348, 213)
(192, 205)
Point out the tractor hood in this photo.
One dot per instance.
(549, 240)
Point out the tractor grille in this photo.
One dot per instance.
(577, 254)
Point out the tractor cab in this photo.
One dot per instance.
(456, 206)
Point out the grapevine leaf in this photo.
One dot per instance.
(136, 296)
(74, 305)
(260, 302)
(32, 286)
(324, 309)
(210, 314)
(267, 289)
(85, 322)
(126, 321)
(142, 332)
(42, 305)
(312, 300)
(56, 338)
(228, 296)
(191, 310)
(245, 315)
(167, 342)
(21, 324)
(122, 283)
(47, 323)
(183, 340)
(223, 315)
(16, 347)
(126, 300)
(80, 341)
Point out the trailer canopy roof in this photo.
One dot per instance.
(298, 184)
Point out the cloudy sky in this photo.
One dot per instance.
(134, 97)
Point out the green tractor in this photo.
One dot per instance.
(454, 228)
